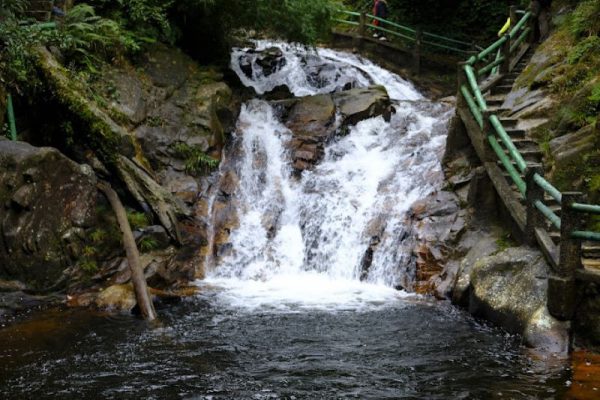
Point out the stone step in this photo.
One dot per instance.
(494, 101)
(497, 109)
(501, 89)
(509, 122)
(592, 263)
(515, 133)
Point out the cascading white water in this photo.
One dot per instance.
(324, 220)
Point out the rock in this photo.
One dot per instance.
(270, 60)
(45, 196)
(311, 120)
(12, 286)
(356, 105)
(116, 298)
(128, 93)
(509, 289)
(569, 149)
(478, 245)
(546, 333)
(312, 116)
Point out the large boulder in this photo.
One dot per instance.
(312, 119)
(509, 288)
(47, 201)
(359, 104)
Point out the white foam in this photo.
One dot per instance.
(300, 242)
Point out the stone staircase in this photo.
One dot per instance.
(530, 150)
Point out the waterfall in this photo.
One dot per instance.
(301, 240)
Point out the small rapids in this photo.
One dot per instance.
(301, 240)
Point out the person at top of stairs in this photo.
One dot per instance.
(380, 10)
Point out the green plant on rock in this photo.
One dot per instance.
(137, 220)
(86, 37)
(196, 160)
(89, 251)
(98, 235)
(505, 241)
(89, 266)
(148, 244)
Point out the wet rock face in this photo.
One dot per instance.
(509, 288)
(47, 201)
(269, 60)
(312, 119)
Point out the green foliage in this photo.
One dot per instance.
(505, 241)
(137, 220)
(148, 244)
(12, 8)
(85, 37)
(585, 20)
(196, 161)
(588, 47)
(89, 251)
(89, 266)
(98, 236)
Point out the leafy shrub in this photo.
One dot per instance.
(196, 161)
(585, 20)
(137, 220)
(148, 244)
(588, 47)
(86, 37)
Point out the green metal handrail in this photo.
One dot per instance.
(477, 106)
(345, 21)
(379, 28)
(406, 33)
(12, 124)
(487, 51)
(491, 66)
(512, 171)
(586, 235)
(586, 208)
(514, 46)
(513, 32)
(433, 35)
(442, 46)
(475, 87)
(472, 105)
(508, 143)
(395, 25)
(548, 188)
(548, 213)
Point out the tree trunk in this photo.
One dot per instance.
(133, 256)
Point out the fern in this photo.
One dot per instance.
(196, 161)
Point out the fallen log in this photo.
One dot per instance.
(133, 256)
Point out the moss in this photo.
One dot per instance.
(504, 242)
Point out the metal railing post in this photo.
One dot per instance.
(12, 124)
(505, 66)
(535, 219)
(562, 293)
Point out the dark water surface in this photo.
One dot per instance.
(410, 350)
